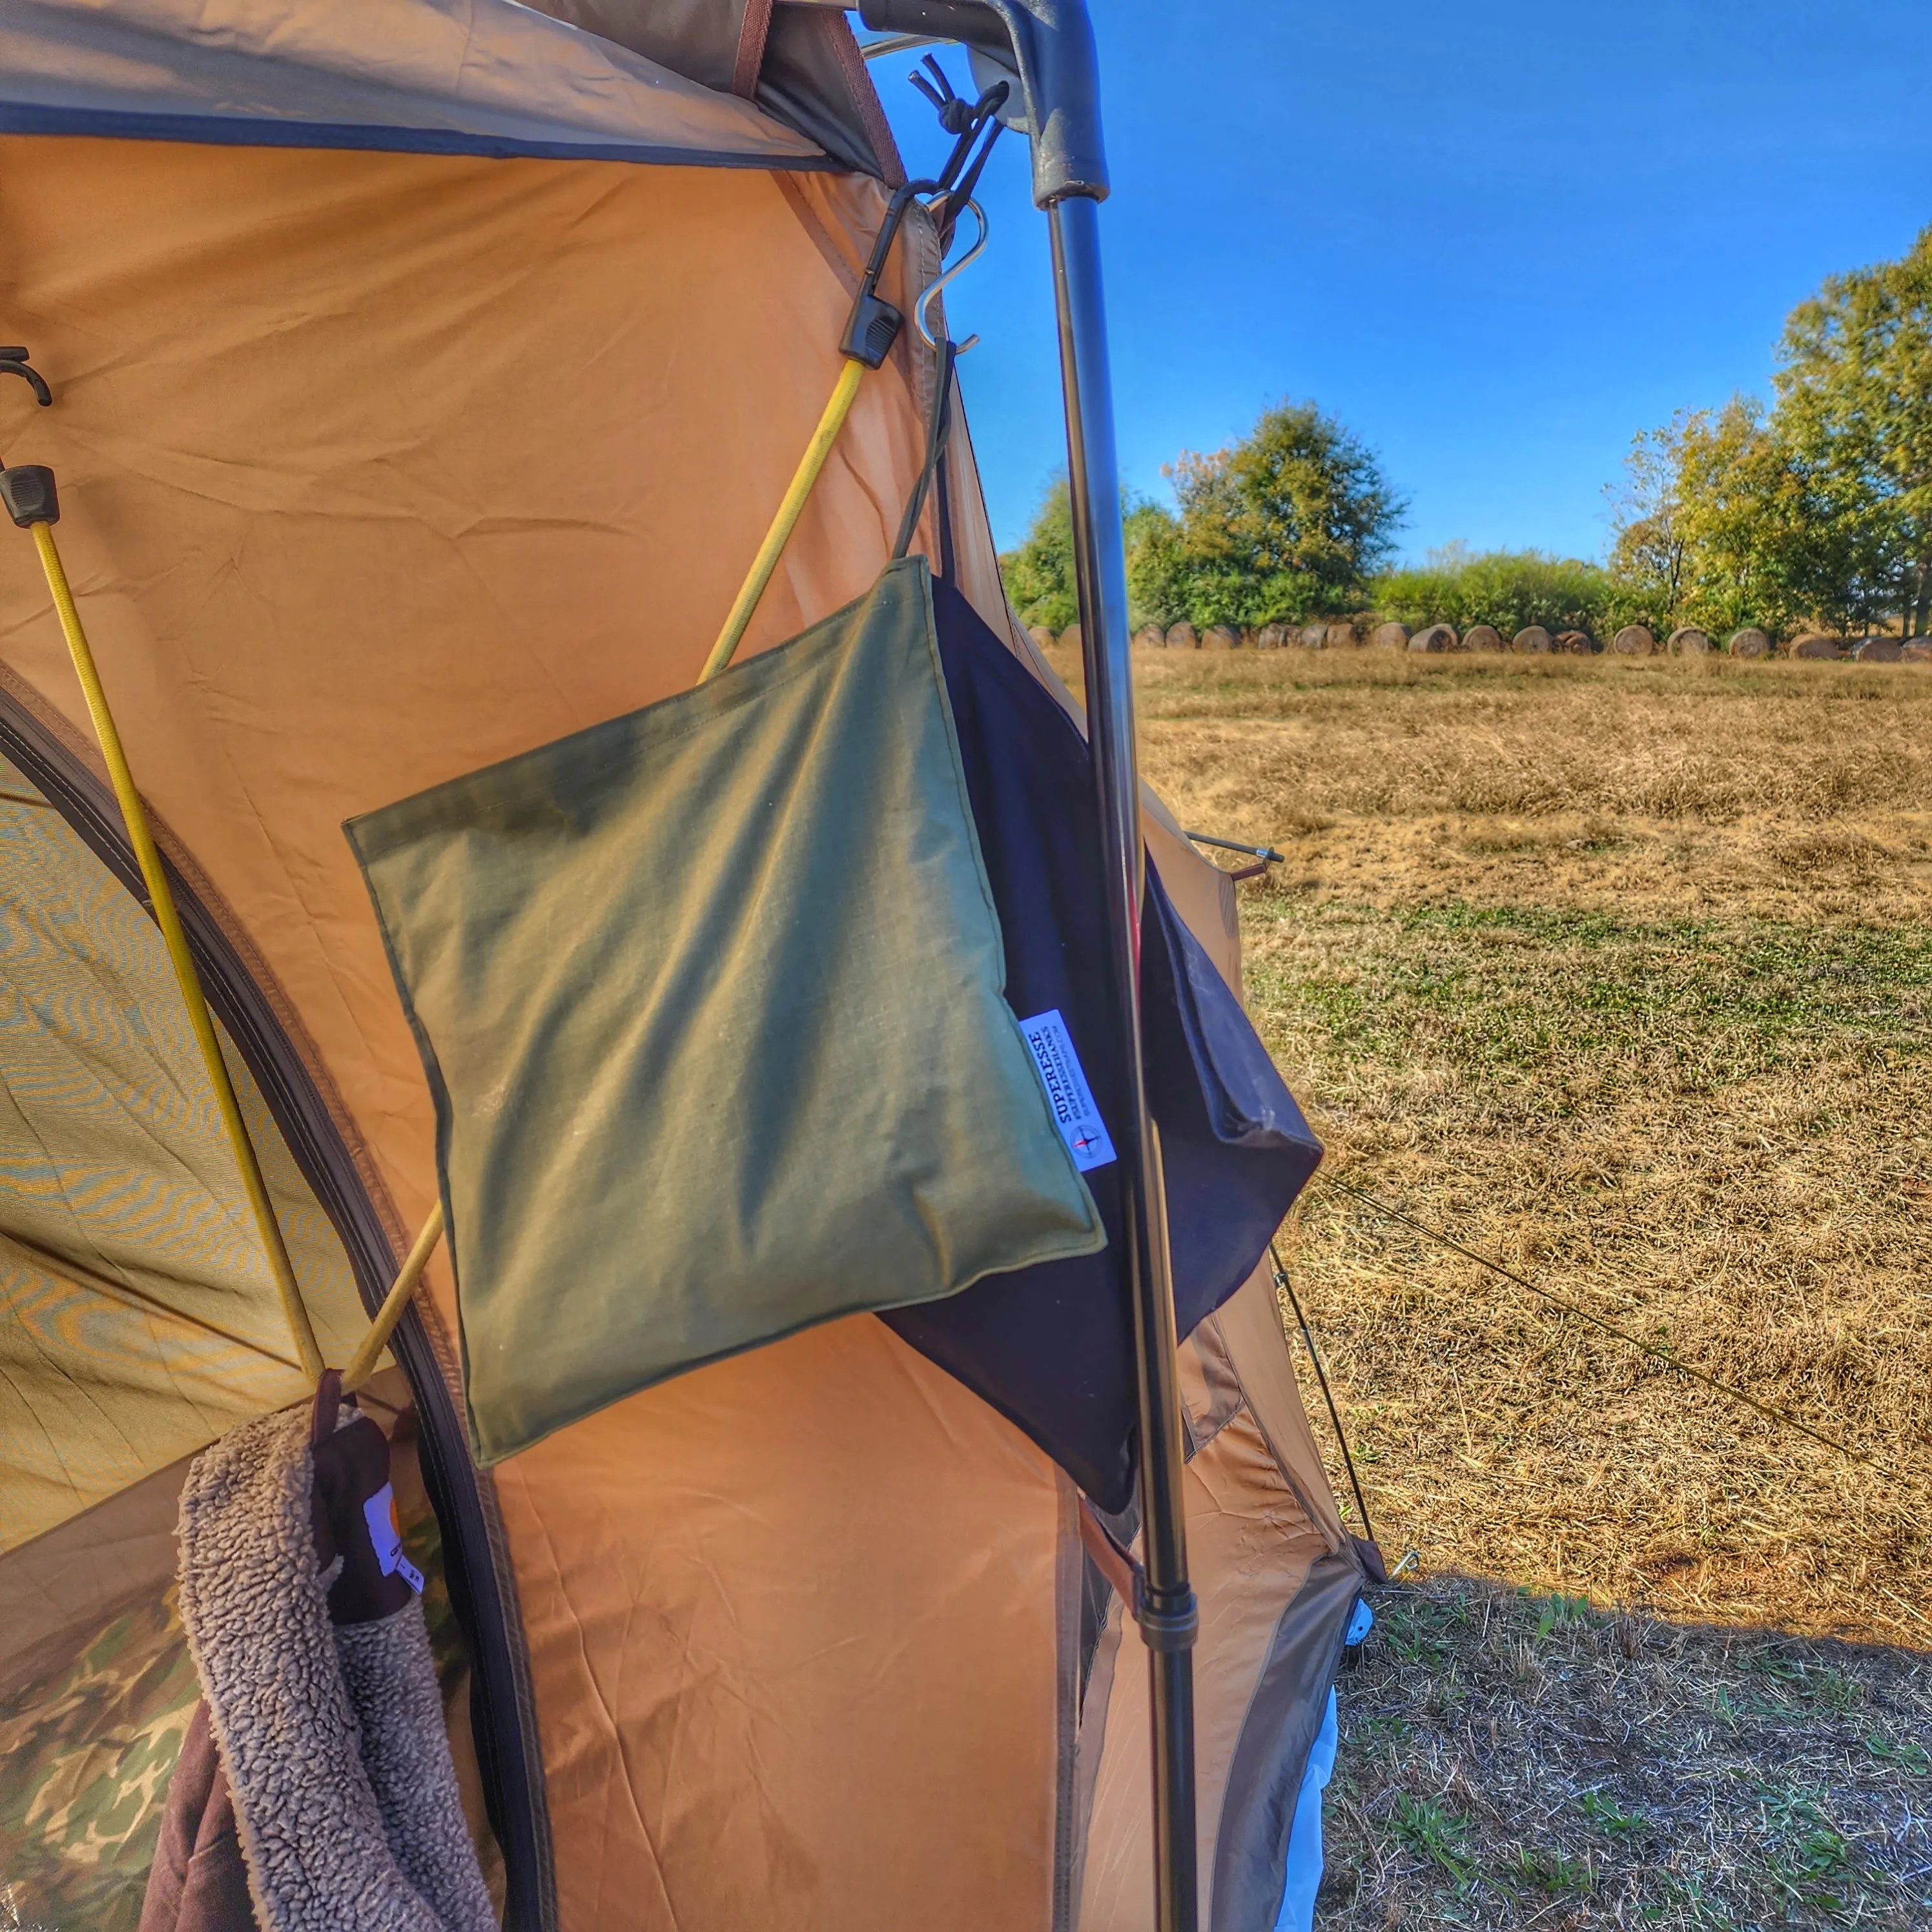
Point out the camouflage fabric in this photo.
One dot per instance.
(90, 1748)
(89, 1751)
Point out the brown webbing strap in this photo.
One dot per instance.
(1113, 1562)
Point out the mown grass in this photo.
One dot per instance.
(1511, 1761)
(1617, 973)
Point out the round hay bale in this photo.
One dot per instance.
(1220, 638)
(1482, 637)
(1183, 637)
(1390, 637)
(1342, 637)
(1687, 641)
(1436, 637)
(1635, 640)
(1042, 636)
(1818, 648)
(1270, 636)
(1533, 640)
(1070, 638)
(1311, 637)
(1878, 650)
(1750, 642)
(1578, 643)
(1916, 650)
(1151, 638)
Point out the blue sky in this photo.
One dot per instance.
(1496, 238)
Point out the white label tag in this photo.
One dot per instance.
(386, 1534)
(1081, 1125)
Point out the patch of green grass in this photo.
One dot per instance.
(1815, 1867)
(1695, 1907)
(1593, 1794)
(1801, 1685)
(1558, 1612)
(1421, 1631)
(1428, 1828)
(1554, 1872)
(1907, 1756)
(1512, 989)
(1609, 1817)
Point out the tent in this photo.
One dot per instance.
(426, 372)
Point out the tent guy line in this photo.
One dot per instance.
(1651, 1349)
(1287, 1287)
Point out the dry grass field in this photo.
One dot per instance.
(1616, 972)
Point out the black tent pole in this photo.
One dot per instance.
(1045, 47)
(1168, 1614)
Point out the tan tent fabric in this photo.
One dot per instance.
(463, 486)
(419, 526)
(377, 468)
(138, 1317)
(811, 1679)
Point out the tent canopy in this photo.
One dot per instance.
(427, 374)
(438, 77)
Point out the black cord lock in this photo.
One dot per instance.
(28, 494)
(27, 491)
(873, 325)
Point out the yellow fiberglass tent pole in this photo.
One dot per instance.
(31, 500)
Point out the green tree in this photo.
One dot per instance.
(1855, 402)
(1727, 520)
(1290, 522)
(1647, 559)
(1039, 574)
(1820, 510)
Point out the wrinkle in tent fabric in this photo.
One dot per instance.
(710, 998)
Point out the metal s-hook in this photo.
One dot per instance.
(932, 289)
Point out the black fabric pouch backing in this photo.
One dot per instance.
(1052, 1346)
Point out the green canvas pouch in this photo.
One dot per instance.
(710, 998)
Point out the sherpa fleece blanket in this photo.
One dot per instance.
(332, 1736)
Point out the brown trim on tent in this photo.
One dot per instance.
(865, 102)
(476, 1562)
(1284, 1713)
(814, 80)
(1069, 1582)
(752, 31)
(1093, 1744)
